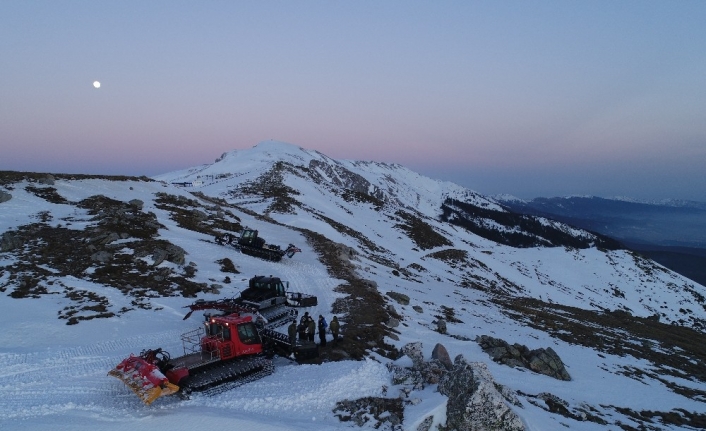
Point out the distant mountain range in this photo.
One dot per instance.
(672, 233)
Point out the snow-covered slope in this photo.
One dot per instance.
(587, 303)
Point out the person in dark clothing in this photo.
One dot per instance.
(301, 328)
(292, 330)
(311, 328)
(335, 327)
(322, 330)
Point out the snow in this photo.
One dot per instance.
(55, 375)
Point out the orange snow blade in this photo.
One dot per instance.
(144, 389)
(143, 378)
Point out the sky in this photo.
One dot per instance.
(541, 98)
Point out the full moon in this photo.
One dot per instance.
(96, 84)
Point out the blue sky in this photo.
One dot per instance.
(531, 98)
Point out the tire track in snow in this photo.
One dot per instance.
(46, 382)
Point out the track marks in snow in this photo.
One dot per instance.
(74, 376)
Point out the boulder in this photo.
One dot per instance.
(158, 256)
(546, 361)
(400, 298)
(543, 361)
(176, 254)
(474, 401)
(102, 256)
(4, 196)
(442, 355)
(136, 204)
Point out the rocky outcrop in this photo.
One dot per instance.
(339, 176)
(380, 413)
(101, 256)
(48, 179)
(9, 241)
(400, 298)
(4, 196)
(421, 373)
(172, 253)
(542, 361)
(136, 204)
(474, 402)
(441, 326)
(426, 424)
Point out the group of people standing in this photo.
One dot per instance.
(307, 328)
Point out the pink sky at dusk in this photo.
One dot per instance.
(527, 98)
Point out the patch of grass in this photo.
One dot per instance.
(363, 307)
(346, 230)
(354, 196)
(228, 266)
(417, 267)
(449, 314)
(423, 235)
(191, 214)
(270, 186)
(87, 305)
(450, 256)
(92, 254)
(12, 177)
(673, 350)
(49, 194)
(517, 230)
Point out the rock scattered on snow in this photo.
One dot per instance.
(542, 361)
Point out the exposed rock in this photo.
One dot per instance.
(421, 373)
(382, 413)
(102, 256)
(433, 371)
(415, 353)
(441, 326)
(418, 309)
(158, 256)
(136, 204)
(199, 215)
(543, 361)
(474, 402)
(426, 424)
(109, 237)
(9, 241)
(401, 298)
(393, 323)
(442, 355)
(346, 253)
(48, 180)
(4, 196)
(176, 254)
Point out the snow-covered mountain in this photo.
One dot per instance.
(93, 269)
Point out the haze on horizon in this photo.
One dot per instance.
(542, 98)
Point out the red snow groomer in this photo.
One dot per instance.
(227, 349)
